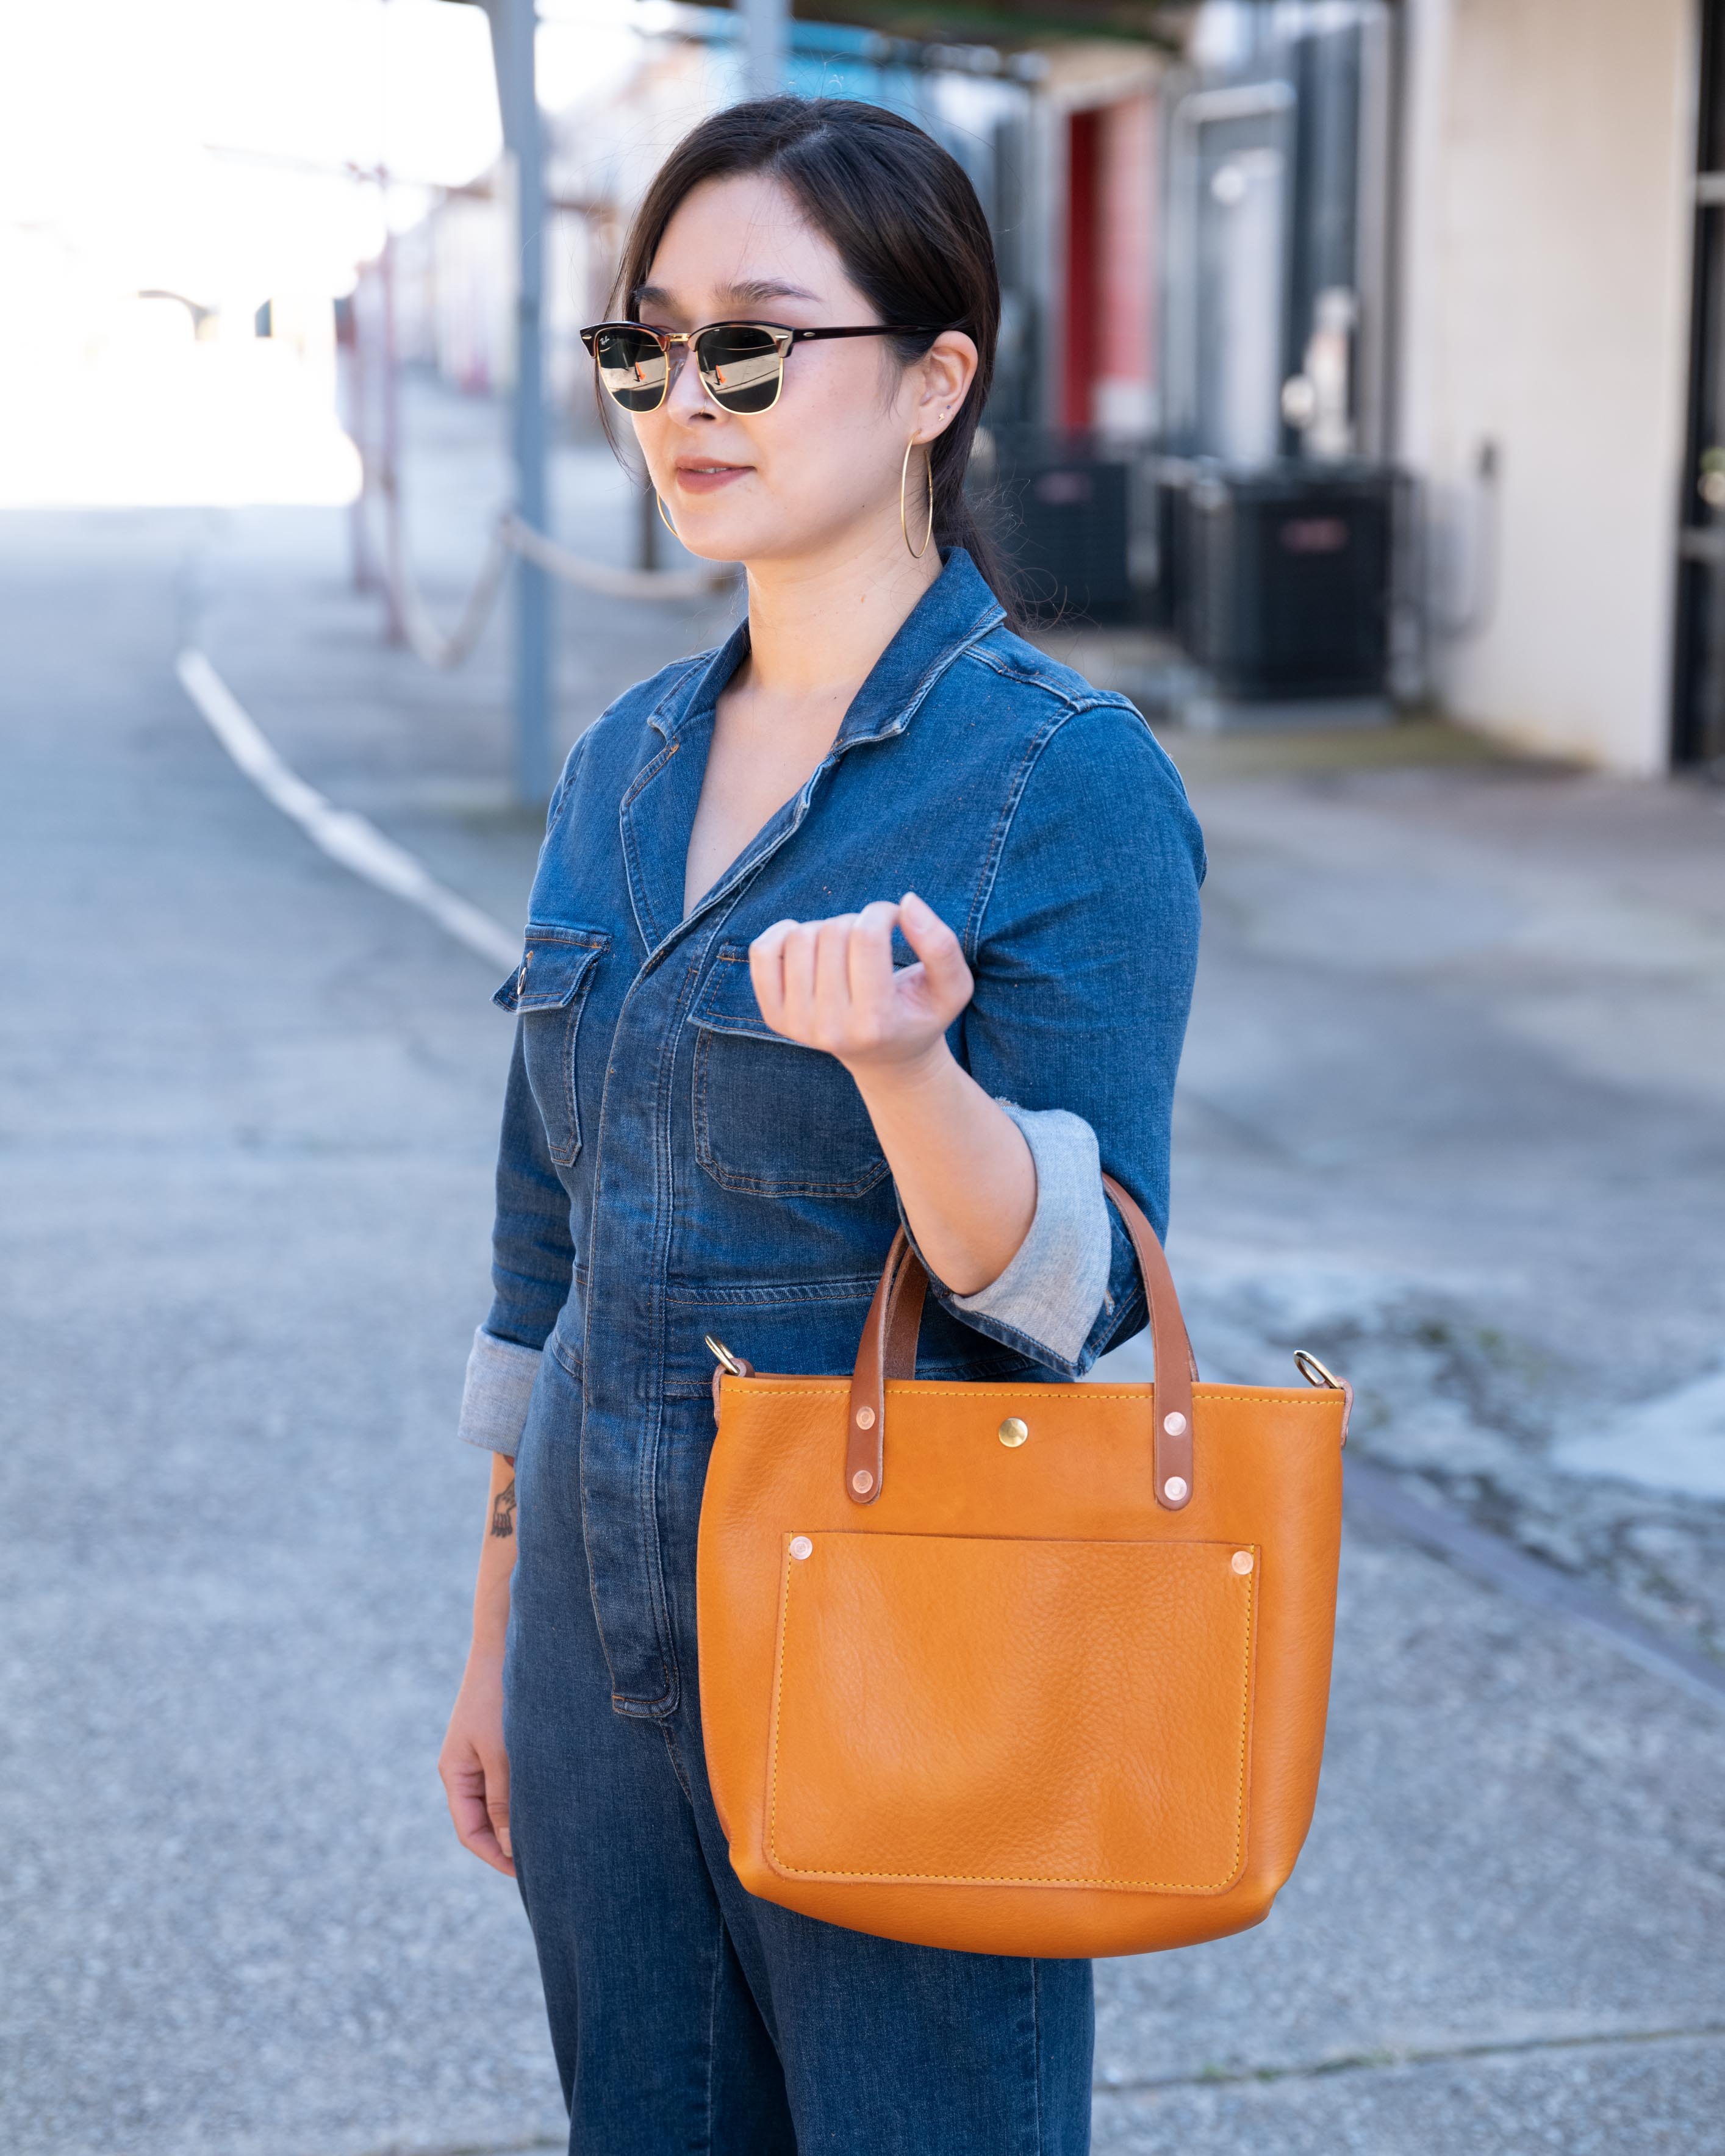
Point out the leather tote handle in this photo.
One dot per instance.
(888, 1350)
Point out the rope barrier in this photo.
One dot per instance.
(604, 577)
(448, 649)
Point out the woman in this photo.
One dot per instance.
(874, 913)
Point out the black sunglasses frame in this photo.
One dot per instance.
(783, 335)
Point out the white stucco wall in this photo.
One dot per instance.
(1545, 269)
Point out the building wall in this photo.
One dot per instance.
(1545, 255)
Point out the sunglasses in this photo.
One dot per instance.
(740, 364)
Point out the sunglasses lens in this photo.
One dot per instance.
(633, 366)
(739, 365)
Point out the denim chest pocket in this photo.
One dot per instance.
(547, 991)
(771, 1116)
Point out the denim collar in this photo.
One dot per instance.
(956, 609)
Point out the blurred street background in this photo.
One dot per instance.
(1359, 415)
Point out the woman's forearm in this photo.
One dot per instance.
(963, 1170)
(496, 1564)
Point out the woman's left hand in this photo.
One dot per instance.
(832, 983)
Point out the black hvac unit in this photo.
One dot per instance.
(1283, 577)
(1060, 513)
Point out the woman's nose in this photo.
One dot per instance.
(685, 398)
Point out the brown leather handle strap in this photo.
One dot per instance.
(888, 1350)
(1176, 1365)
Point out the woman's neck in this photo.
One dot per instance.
(817, 626)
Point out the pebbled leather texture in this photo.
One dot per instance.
(1012, 1700)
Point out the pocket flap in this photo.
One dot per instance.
(554, 967)
(727, 1002)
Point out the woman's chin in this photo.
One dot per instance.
(708, 533)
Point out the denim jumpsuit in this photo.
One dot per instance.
(670, 1167)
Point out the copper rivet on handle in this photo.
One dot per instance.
(866, 1418)
(1174, 1489)
(1013, 1431)
(862, 1482)
(1175, 1423)
(1242, 1560)
(801, 1547)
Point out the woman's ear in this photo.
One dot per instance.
(948, 369)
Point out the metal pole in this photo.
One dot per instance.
(512, 26)
(389, 463)
(765, 37)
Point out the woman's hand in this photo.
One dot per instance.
(474, 1765)
(832, 984)
(961, 1164)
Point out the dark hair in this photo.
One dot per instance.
(905, 220)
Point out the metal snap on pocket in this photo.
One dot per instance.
(801, 1547)
(1012, 1431)
(1241, 1561)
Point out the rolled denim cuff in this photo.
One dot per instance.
(1052, 1291)
(494, 1400)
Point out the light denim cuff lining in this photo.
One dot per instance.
(494, 1400)
(1052, 1291)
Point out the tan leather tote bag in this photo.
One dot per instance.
(1025, 1669)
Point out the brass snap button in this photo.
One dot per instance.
(1012, 1431)
(1241, 1561)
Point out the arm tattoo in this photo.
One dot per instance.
(503, 1510)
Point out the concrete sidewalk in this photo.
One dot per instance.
(248, 1107)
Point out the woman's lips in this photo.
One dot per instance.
(709, 478)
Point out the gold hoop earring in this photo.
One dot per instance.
(904, 526)
(665, 520)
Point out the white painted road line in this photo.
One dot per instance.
(344, 836)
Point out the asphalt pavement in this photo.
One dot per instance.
(1449, 1117)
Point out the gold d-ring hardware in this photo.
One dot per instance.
(1306, 1364)
(728, 1361)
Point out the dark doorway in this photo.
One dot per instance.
(1698, 728)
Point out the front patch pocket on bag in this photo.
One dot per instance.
(548, 990)
(952, 1710)
(770, 1115)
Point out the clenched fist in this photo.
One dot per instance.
(832, 984)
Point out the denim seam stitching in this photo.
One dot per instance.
(989, 874)
(854, 1287)
(655, 717)
(1036, 2052)
(712, 2019)
(943, 664)
(1098, 700)
(676, 1764)
(645, 920)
